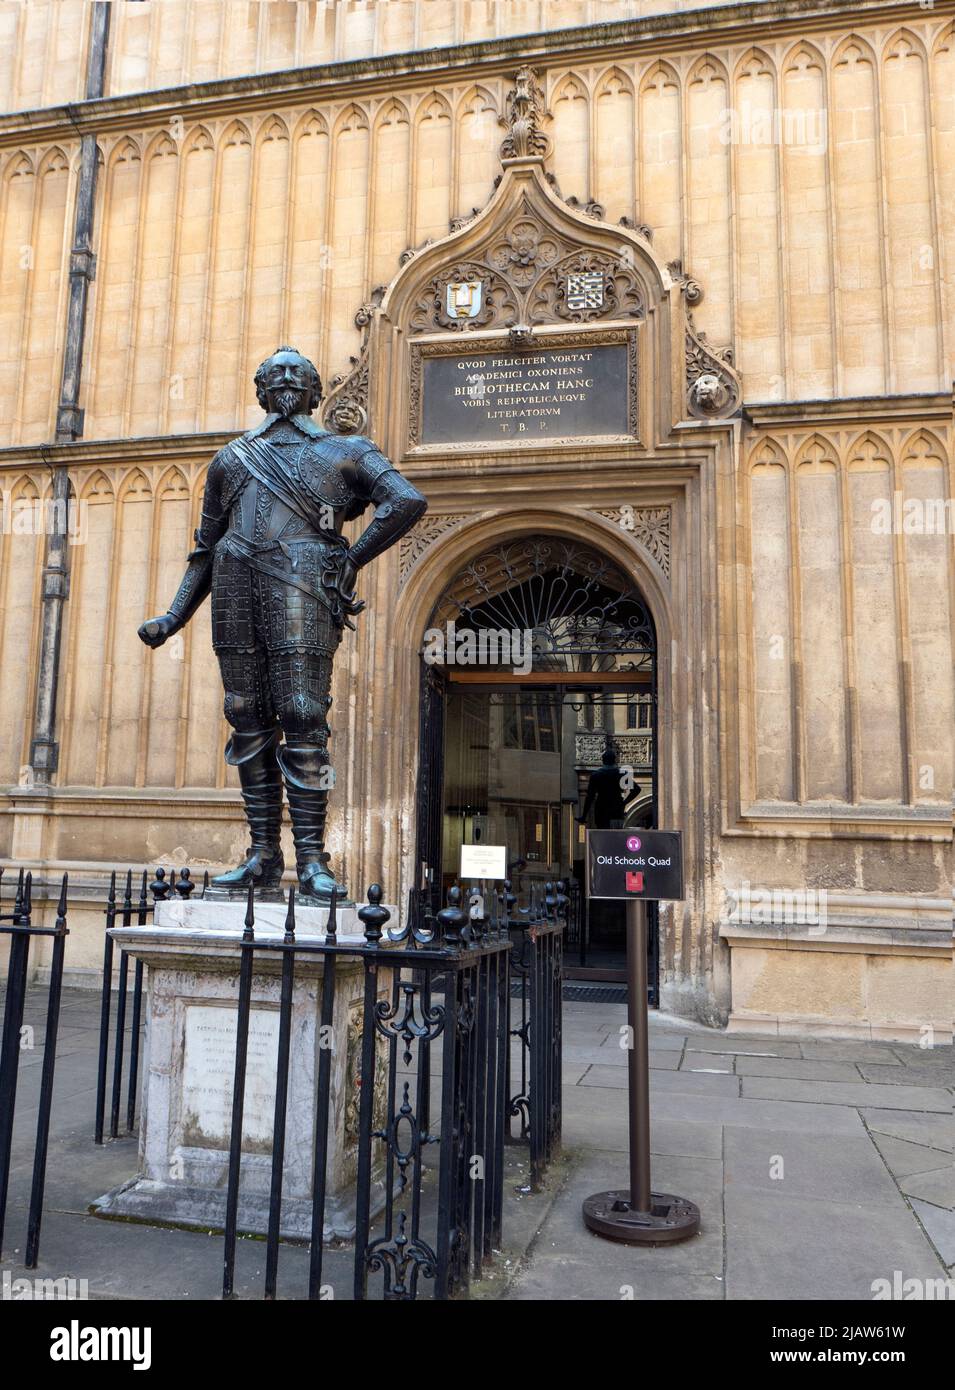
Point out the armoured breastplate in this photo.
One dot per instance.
(259, 516)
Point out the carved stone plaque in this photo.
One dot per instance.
(561, 392)
(208, 1070)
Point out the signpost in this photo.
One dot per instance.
(638, 866)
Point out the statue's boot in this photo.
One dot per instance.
(254, 754)
(304, 767)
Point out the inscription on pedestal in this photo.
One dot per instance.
(208, 1071)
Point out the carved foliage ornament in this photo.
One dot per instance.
(524, 119)
(713, 390)
(345, 409)
(649, 526)
(423, 534)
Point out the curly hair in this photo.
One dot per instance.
(315, 381)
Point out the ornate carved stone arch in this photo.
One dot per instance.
(527, 249)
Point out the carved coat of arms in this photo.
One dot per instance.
(585, 290)
(463, 299)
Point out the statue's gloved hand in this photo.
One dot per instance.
(345, 581)
(155, 631)
(347, 576)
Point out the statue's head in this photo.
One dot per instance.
(288, 384)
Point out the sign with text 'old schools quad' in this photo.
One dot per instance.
(560, 392)
(635, 864)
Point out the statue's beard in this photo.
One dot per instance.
(288, 403)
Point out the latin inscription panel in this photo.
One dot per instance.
(557, 393)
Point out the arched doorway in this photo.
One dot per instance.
(539, 667)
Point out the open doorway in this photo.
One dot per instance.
(508, 751)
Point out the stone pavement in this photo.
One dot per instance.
(819, 1167)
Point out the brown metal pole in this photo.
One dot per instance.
(638, 1060)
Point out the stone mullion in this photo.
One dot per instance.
(169, 347)
(900, 570)
(73, 618)
(243, 342)
(747, 712)
(104, 253)
(102, 734)
(851, 688)
(142, 750)
(796, 690)
(26, 310)
(185, 685)
(889, 379)
(294, 141)
(211, 259)
(835, 319)
(782, 239)
(137, 284)
(331, 173)
(938, 240)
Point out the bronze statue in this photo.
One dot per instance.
(270, 550)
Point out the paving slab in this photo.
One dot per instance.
(916, 1126)
(674, 1083)
(597, 1119)
(936, 1186)
(569, 1262)
(838, 1168)
(768, 1114)
(940, 1225)
(903, 1158)
(797, 1068)
(708, 1062)
(617, 1057)
(760, 1047)
(908, 1074)
(785, 1247)
(836, 1051)
(942, 1056)
(847, 1093)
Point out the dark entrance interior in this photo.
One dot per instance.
(508, 747)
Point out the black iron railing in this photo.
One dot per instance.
(423, 988)
(537, 933)
(18, 925)
(430, 1158)
(122, 914)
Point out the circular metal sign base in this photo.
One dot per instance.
(669, 1218)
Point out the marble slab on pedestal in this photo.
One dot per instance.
(192, 956)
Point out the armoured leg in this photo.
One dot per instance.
(252, 750)
(300, 684)
(305, 767)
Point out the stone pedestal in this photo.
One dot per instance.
(192, 954)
